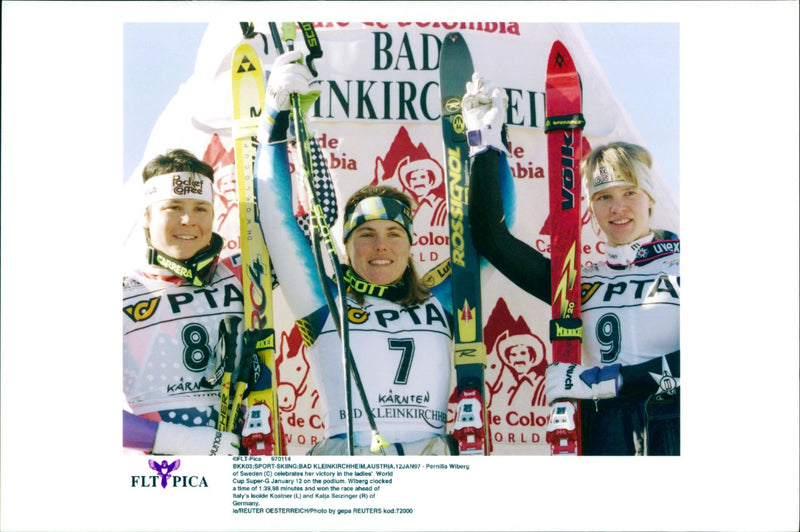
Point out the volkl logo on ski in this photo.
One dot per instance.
(567, 171)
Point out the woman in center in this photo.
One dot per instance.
(399, 333)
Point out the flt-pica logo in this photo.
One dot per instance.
(164, 477)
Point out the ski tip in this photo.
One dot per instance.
(560, 61)
(557, 46)
(455, 64)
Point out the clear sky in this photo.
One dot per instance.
(640, 61)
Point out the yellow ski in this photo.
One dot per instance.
(261, 433)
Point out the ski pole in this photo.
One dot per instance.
(321, 231)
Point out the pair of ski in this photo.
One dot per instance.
(261, 433)
(563, 125)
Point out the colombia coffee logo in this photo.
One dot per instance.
(164, 477)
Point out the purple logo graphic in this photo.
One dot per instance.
(164, 469)
(166, 477)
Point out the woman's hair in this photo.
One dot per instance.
(417, 292)
(618, 155)
(176, 161)
(623, 158)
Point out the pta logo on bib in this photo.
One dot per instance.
(165, 477)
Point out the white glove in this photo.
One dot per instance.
(573, 381)
(172, 438)
(484, 116)
(287, 77)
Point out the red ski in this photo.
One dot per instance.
(563, 125)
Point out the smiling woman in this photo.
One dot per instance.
(179, 213)
(629, 374)
(378, 233)
(399, 333)
(620, 191)
(168, 361)
(179, 198)
(179, 227)
(379, 251)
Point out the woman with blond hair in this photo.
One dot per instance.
(630, 369)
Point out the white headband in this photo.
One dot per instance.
(178, 185)
(605, 176)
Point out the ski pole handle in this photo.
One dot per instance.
(312, 43)
(288, 34)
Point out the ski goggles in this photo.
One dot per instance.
(378, 208)
(178, 185)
